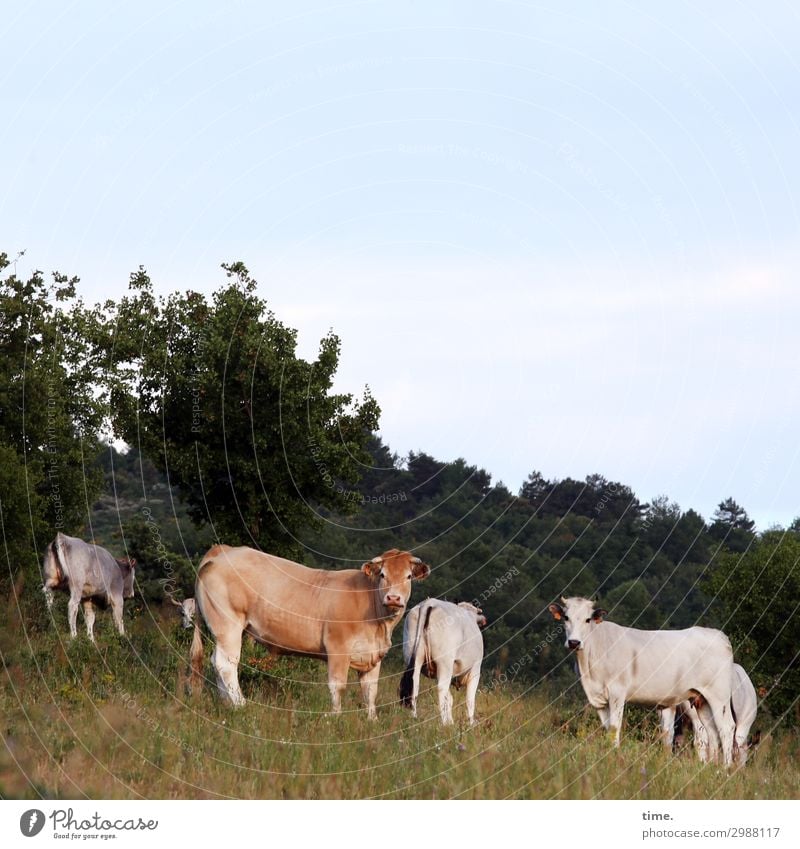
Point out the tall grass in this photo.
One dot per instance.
(115, 720)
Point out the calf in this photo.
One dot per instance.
(90, 575)
(186, 608)
(744, 707)
(443, 641)
(656, 668)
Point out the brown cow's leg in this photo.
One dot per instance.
(88, 615)
(369, 689)
(338, 666)
(226, 662)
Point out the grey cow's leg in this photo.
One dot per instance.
(88, 615)
(72, 615)
(116, 612)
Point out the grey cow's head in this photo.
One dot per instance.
(127, 565)
(579, 616)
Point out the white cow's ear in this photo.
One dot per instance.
(557, 610)
(598, 613)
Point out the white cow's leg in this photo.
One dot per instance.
(472, 689)
(444, 675)
(726, 728)
(88, 615)
(616, 707)
(706, 739)
(226, 663)
(72, 615)
(603, 714)
(116, 612)
(369, 689)
(338, 667)
(740, 740)
(667, 726)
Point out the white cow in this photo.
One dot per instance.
(744, 705)
(186, 608)
(442, 640)
(656, 668)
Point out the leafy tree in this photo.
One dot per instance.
(730, 513)
(50, 415)
(214, 394)
(759, 593)
(535, 489)
(732, 526)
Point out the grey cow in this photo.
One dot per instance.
(90, 575)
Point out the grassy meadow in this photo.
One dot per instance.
(114, 721)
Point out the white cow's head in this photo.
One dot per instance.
(480, 619)
(579, 616)
(392, 573)
(186, 608)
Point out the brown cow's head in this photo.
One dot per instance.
(127, 565)
(579, 616)
(392, 572)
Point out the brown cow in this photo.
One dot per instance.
(344, 617)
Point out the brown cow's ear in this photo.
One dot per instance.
(373, 568)
(598, 613)
(557, 610)
(419, 570)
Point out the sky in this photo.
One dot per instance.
(554, 236)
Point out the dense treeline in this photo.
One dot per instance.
(238, 440)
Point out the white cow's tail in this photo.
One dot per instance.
(410, 680)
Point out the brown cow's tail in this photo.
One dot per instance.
(196, 658)
(412, 667)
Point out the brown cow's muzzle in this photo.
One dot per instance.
(393, 602)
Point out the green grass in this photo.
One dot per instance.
(114, 721)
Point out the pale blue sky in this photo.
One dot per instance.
(559, 236)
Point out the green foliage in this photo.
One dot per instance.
(758, 592)
(732, 526)
(214, 394)
(50, 415)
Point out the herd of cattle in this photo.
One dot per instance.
(346, 618)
